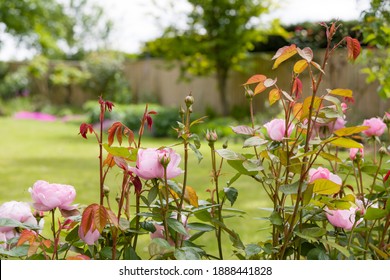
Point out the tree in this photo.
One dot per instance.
(217, 37)
(54, 28)
(376, 33)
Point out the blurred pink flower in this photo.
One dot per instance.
(353, 152)
(377, 127)
(19, 211)
(35, 116)
(323, 173)
(342, 218)
(48, 196)
(90, 237)
(149, 163)
(276, 129)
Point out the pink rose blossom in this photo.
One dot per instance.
(353, 152)
(276, 129)
(376, 127)
(19, 211)
(323, 173)
(90, 237)
(149, 163)
(48, 196)
(342, 218)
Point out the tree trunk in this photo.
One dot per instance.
(222, 75)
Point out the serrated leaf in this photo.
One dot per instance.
(255, 79)
(230, 155)
(341, 92)
(276, 219)
(292, 188)
(198, 154)
(343, 142)
(238, 165)
(254, 141)
(283, 54)
(374, 213)
(353, 47)
(300, 66)
(200, 227)
(273, 96)
(325, 186)
(315, 232)
(243, 130)
(159, 246)
(347, 131)
(186, 253)
(100, 218)
(176, 226)
(231, 194)
(117, 151)
(330, 157)
(306, 53)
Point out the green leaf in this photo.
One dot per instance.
(292, 188)
(148, 226)
(254, 141)
(253, 165)
(315, 232)
(343, 142)
(252, 250)
(117, 151)
(176, 226)
(6, 222)
(325, 186)
(317, 254)
(152, 194)
(198, 154)
(130, 254)
(231, 194)
(276, 219)
(374, 213)
(159, 246)
(186, 253)
(230, 155)
(330, 157)
(239, 166)
(200, 227)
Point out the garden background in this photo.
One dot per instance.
(63, 84)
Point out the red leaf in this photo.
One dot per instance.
(130, 135)
(149, 121)
(112, 218)
(112, 131)
(87, 219)
(137, 184)
(297, 88)
(353, 47)
(386, 176)
(84, 129)
(255, 79)
(152, 112)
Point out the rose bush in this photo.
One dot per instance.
(326, 200)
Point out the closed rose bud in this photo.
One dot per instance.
(189, 100)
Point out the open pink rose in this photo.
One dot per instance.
(149, 163)
(354, 151)
(90, 237)
(19, 211)
(323, 173)
(377, 127)
(276, 129)
(344, 218)
(48, 196)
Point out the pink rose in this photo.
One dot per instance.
(323, 173)
(19, 211)
(276, 129)
(47, 196)
(149, 163)
(353, 152)
(90, 237)
(342, 218)
(376, 127)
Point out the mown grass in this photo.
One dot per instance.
(53, 151)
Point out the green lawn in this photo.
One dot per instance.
(54, 152)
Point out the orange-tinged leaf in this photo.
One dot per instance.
(353, 47)
(286, 54)
(273, 96)
(260, 88)
(300, 66)
(306, 54)
(87, 219)
(26, 235)
(47, 243)
(347, 131)
(325, 186)
(191, 197)
(33, 248)
(119, 135)
(255, 79)
(100, 218)
(109, 161)
(297, 110)
(112, 217)
(341, 92)
(306, 106)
